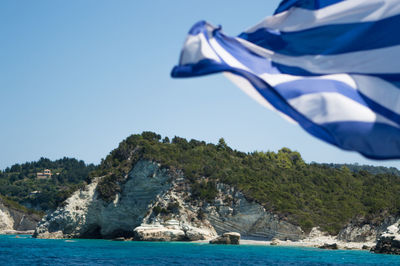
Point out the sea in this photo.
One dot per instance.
(24, 250)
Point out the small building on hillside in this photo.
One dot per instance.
(44, 175)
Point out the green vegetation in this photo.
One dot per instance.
(304, 194)
(369, 168)
(19, 182)
(171, 208)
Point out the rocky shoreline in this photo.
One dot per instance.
(153, 197)
(17, 232)
(317, 239)
(317, 242)
(156, 205)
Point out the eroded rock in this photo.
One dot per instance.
(150, 199)
(389, 242)
(15, 220)
(274, 242)
(230, 238)
(329, 246)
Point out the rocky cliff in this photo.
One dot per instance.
(366, 230)
(156, 204)
(13, 219)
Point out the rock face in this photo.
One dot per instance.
(6, 222)
(12, 219)
(230, 211)
(230, 238)
(156, 205)
(86, 216)
(362, 230)
(389, 242)
(145, 198)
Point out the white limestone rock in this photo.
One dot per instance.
(151, 199)
(231, 211)
(229, 238)
(84, 215)
(158, 233)
(364, 231)
(6, 222)
(15, 220)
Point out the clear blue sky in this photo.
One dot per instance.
(77, 77)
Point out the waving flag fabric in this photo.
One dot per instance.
(331, 66)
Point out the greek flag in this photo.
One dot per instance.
(332, 66)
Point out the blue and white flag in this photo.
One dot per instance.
(332, 66)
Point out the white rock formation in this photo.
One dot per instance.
(156, 205)
(13, 220)
(86, 215)
(229, 238)
(172, 230)
(150, 201)
(393, 231)
(6, 222)
(363, 231)
(232, 212)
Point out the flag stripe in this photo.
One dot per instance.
(298, 19)
(373, 140)
(328, 107)
(312, 5)
(197, 48)
(377, 61)
(380, 91)
(329, 39)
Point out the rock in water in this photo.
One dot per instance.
(274, 242)
(329, 246)
(389, 242)
(231, 238)
(387, 245)
(119, 239)
(365, 247)
(158, 233)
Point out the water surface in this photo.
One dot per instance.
(29, 251)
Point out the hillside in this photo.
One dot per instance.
(303, 194)
(21, 184)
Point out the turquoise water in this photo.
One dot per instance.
(29, 251)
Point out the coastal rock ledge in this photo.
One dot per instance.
(171, 230)
(230, 238)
